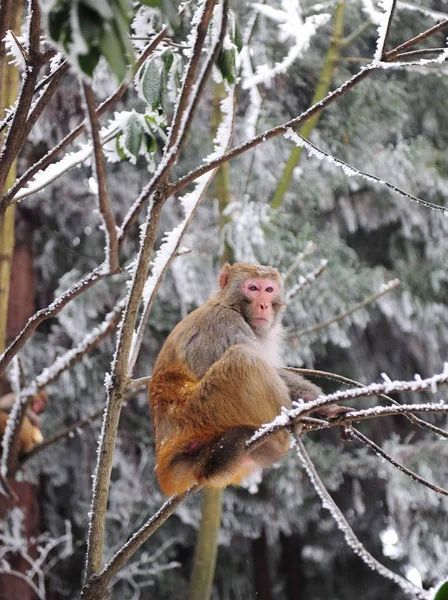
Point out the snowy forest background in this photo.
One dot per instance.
(353, 236)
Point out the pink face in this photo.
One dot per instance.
(262, 293)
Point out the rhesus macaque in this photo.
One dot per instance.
(30, 433)
(217, 379)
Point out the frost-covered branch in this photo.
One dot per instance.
(384, 28)
(351, 171)
(47, 313)
(111, 262)
(392, 54)
(380, 452)
(310, 247)
(98, 586)
(107, 104)
(117, 381)
(351, 382)
(306, 280)
(186, 106)
(190, 203)
(15, 136)
(329, 504)
(391, 285)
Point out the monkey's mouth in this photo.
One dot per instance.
(260, 320)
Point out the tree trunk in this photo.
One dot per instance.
(261, 565)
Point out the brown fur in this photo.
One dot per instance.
(214, 385)
(30, 433)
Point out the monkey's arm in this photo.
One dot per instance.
(299, 387)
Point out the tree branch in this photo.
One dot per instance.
(111, 263)
(310, 247)
(335, 377)
(349, 535)
(389, 56)
(367, 442)
(387, 288)
(118, 379)
(15, 136)
(70, 137)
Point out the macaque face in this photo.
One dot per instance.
(263, 302)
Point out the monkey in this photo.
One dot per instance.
(30, 433)
(217, 379)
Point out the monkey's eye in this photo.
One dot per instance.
(270, 289)
(252, 288)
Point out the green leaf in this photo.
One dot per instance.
(151, 82)
(152, 3)
(88, 62)
(58, 20)
(441, 592)
(119, 148)
(133, 135)
(90, 24)
(112, 51)
(168, 57)
(227, 65)
(102, 7)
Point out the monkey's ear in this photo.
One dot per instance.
(224, 275)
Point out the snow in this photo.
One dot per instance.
(387, 6)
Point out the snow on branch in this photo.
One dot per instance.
(290, 25)
(302, 409)
(310, 247)
(351, 171)
(387, 287)
(384, 25)
(350, 537)
(383, 454)
(306, 280)
(190, 203)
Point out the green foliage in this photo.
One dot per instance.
(87, 30)
(441, 592)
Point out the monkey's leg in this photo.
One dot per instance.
(299, 387)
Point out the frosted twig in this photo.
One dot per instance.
(310, 247)
(306, 280)
(384, 28)
(421, 52)
(335, 377)
(368, 442)
(116, 382)
(329, 504)
(70, 137)
(415, 40)
(171, 243)
(98, 586)
(185, 108)
(386, 288)
(15, 136)
(46, 313)
(351, 171)
(111, 263)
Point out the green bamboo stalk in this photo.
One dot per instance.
(331, 61)
(9, 90)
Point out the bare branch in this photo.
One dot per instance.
(417, 53)
(64, 433)
(111, 264)
(119, 372)
(365, 440)
(98, 586)
(6, 489)
(382, 48)
(349, 535)
(386, 288)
